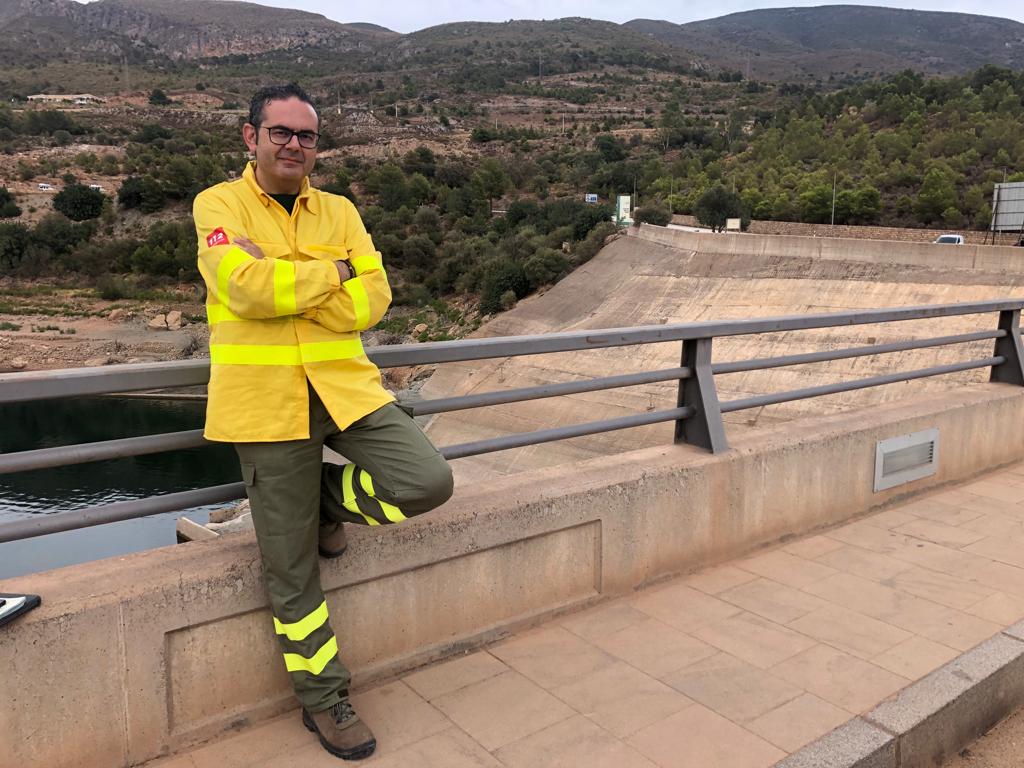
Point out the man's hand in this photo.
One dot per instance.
(249, 247)
(345, 271)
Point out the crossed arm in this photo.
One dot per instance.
(342, 287)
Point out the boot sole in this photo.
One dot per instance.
(332, 555)
(356, 753)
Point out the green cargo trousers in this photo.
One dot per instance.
(395, 473)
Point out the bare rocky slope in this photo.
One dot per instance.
(633, 282)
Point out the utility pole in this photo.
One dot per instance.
(835, 176)
(539, 60)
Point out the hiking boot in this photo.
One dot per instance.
(341, 731)
(331, 540)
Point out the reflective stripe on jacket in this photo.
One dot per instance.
(276, 321)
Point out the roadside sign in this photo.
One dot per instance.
(732, 225)
(590, 197)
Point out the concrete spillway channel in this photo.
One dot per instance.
(658, 276)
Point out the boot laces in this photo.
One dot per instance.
(342, 712)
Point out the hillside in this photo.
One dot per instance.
(823, 43)
(112, 30)
(836, 40)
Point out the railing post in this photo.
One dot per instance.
(1009, 346)
(705, 427)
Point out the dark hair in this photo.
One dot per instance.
(264, 96)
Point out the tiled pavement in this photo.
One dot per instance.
(733, 667)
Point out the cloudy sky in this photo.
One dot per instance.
(410, 15)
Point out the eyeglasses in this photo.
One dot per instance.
(281, 136)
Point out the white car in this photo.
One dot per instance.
(950, 239)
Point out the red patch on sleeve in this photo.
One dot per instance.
(217, 237)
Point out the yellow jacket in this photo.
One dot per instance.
(278, 321)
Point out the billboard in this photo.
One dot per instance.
(1008, 207)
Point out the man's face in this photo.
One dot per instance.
(281, 169)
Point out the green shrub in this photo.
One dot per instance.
(653, 214)
(79, 203)
(502, 275)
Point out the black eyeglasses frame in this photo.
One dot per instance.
(297, 134)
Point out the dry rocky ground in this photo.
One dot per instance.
(46, 326)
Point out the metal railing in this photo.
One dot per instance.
(697, 413)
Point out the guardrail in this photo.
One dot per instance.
(697, 413)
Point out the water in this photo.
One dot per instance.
(28, 426)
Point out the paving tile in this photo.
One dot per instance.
(956, 629)
(753, 639)
(990, 489)
(715, 580)
(398, 716)
(603, 619)
(844, 680)
(997, 526)
(999, 608)
(989, 505)
(938, 533)
(732, 687)
(551, 656)
(869, 537)
(954, 496)
(939, 587)
(773, 601)
(655, 648)
(799, 722)
(849, 631)
(1000, 576)
(572, 743)
(311, 755)
(622, 699)
(878, 601)
(914, 658)
(271, 739)
(700, 738)
(682, 607)
(439, 679)
(449, 749)
(891, 518)
(928, 506)
(502, 709)
(812, 547)
(1007, 551)
(863, 562)
(950, 515)
(786, 569)
(936, 557)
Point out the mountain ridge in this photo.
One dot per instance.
(814, 43)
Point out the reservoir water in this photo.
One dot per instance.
(28, 426)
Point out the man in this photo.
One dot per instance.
(292, 279)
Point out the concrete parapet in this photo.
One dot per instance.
(141, 655)
(988, 258)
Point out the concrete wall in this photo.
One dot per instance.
(132, 657)
(976, 257)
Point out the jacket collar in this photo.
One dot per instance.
(306, 192)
